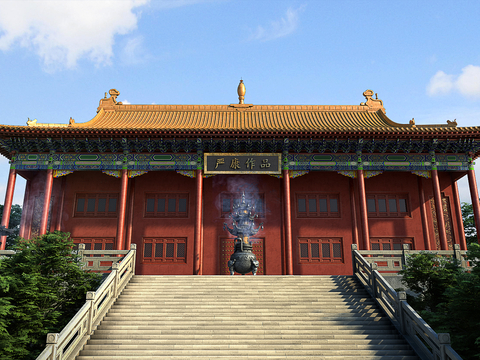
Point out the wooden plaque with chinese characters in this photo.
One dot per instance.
(242, 163)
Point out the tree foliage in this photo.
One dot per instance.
(448, 297)
(41, 287)
(469, 223)
(14, 223)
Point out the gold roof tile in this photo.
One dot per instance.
(368, 116)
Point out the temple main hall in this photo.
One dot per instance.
(166, 178)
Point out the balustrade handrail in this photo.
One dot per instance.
(396, 259)
(7, 252)
(68, 343)
(426, 342)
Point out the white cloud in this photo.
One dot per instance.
(280, 28)
(134, 51)
(440, 83)
(467, 83)
(62, 32)
(126, 102)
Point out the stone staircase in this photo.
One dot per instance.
(247, 317)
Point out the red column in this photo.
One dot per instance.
(25, 211)
(58, 226)
(198, 265)
(472, 182)
(439, 209)
(288, 222)
(354, 212)
(363, 210)
(122, 211)
(46, 202)
(128, 241)
(7, 207)
(458, 216)
(423, 213)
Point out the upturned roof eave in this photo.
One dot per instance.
(69, 132)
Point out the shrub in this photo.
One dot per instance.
(41, 287)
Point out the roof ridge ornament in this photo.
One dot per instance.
(241, 92)
(241, 97)
(111, 101)
(373, 104)
(452, 123)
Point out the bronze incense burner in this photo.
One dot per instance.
(243, 260)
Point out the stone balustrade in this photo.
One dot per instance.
(426, 342)
(67, 343)
(395, 260)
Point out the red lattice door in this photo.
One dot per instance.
(227, 247)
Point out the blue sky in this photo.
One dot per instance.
(58, 58)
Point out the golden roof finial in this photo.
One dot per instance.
(241, 92)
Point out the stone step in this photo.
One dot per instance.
(160, 331)
(206, 309)
(239, 307)
(237, 320)
(202, 328)
(253, 285)
(340, 336)
(245, 341)
(306, 311)
(251, 357)
(246, 352)
(251, 299)
(229, 346)
(263, 317)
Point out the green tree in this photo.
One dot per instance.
(469, 223)
(429, 275)
(14, 223)
(41, 287)
(448, 297)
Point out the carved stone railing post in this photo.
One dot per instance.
(444, 340)
(115, 267)
(81, 251)
(52, 340)
(354, 264)
(373, 282)
(90, 300)
(402, 297)
(457, 253)
(405, 252)
(134, 261)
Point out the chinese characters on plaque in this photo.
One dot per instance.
(242, 163)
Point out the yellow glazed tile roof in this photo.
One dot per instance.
(225, 118)
(369, 116)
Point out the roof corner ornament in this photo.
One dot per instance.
(32, 122)
(452, 123)
(112, 100)
(241, 92)
(71, 121)
(412, 123)
(373, 104)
